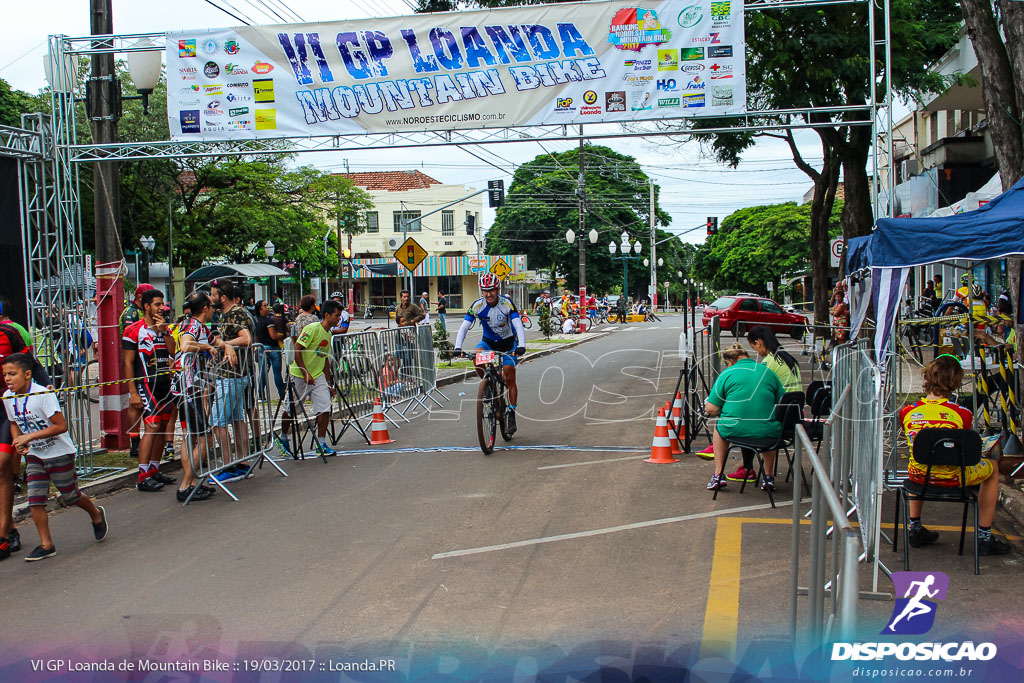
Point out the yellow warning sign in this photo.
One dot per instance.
(500, 268)
(410, 254)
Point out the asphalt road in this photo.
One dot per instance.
(567, 544)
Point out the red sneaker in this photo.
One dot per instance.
(742, 473)
(709, 449)
(706, 453)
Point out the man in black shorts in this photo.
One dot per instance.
(147, 346)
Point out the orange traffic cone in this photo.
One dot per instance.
(673, 430)
(661, 448)
(677, 414)
(379, 434)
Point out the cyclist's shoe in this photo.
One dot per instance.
(510, 422)
(5, 548)
(742, 474)
(163, 478)
(149, 485)
(920, 536)
(283, 446)
(768, 483)
(323, 449)
(717, 482)
(993, 546)
(15, 540)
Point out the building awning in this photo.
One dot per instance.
(226, 270)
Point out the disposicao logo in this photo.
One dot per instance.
(914, 614)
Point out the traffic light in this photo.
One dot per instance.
(712, 225)
(470, 224)
(410, 255)
(495, 193)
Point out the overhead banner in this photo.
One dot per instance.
(541, 64)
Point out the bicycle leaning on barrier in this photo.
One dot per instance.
(502, 331)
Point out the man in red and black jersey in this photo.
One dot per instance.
(147, 346)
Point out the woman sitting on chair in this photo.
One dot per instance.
(743, 397)
(941, 378)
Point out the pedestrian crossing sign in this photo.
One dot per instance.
(410, 254)
(500, 268)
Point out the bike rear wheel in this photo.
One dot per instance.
(527, 323)
(486, 417)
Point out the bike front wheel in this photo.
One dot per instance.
(486, 416)
(527, 323)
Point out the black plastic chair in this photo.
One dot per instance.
(786, 413)
(795, 398)
(819, 403)
(936, 446)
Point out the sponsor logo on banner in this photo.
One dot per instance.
(209, 47)
(238, 111)
(720, 51)
(589, 110)
(211, 70)
(187, 71)
(590, 97)
(666, 84)
(615, 101)
(232, 97)
(640, 101)
(263, 89)
(691, 100)
(235, 70)
(665, 102)
(266, 119)
(721, 95)
(214, 127)
(638, 81)
(668, 60)
(231, 47)
(691, 16)
(721, 12)
(213, 109)
(696, 84)
(713, 38)
(186, 49)
(564, 104)
(188, 103)
(691, 54)
(914, 614)
(643, 64)
(191, 90)
(692, 68)
(720, 70)
(238, 84)
(261, 68)
(240, 124)
(211, 90)
(633, 28)
(189, 120)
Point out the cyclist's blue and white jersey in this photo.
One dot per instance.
(500, 322)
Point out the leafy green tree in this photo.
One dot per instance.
(758, 245)
(14, 103)
(542, 204)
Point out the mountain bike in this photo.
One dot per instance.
(527, 323)
(491, 400)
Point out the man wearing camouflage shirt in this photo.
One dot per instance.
(231, 388)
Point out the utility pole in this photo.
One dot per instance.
(580, 190)
(654, 255)
(103, 114)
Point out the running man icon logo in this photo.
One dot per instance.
(914, 613)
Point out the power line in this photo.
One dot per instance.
(212, 4)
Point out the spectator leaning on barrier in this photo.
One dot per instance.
(267, 336)
(191, 387)
(408, 313)
(229, 400)
(132, 313)
(344, 321)
(941, 378)
(40, 434)
(311, 377)
(743, 398)
(146, 349)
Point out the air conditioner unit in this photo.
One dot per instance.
(393, 243)
(908, 168)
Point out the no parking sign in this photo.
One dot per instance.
(835, 248)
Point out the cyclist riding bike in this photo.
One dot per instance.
(502, 331)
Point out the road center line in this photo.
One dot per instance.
(607, 530)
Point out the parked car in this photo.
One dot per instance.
(740, 312)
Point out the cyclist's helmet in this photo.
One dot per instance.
(337, 295)
(489, 281)
(963, 278)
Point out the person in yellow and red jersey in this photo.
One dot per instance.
(941, 378)
(975, 302)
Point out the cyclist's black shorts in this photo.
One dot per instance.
(503, 345)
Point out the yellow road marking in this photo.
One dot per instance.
(722, 614)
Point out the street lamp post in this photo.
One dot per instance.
(149, 244)
(625, 247)
(269, 249)
(570, 237)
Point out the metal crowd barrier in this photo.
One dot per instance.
(227, 424)
(842, 573)
(400, 369)
(428, 363)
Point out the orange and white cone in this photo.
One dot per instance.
(677, 414)
(661, 447)
(673, 430)
(379, 433)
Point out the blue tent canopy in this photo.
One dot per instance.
(993, 231)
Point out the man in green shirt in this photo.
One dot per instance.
(310, 376)
(743, 397)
